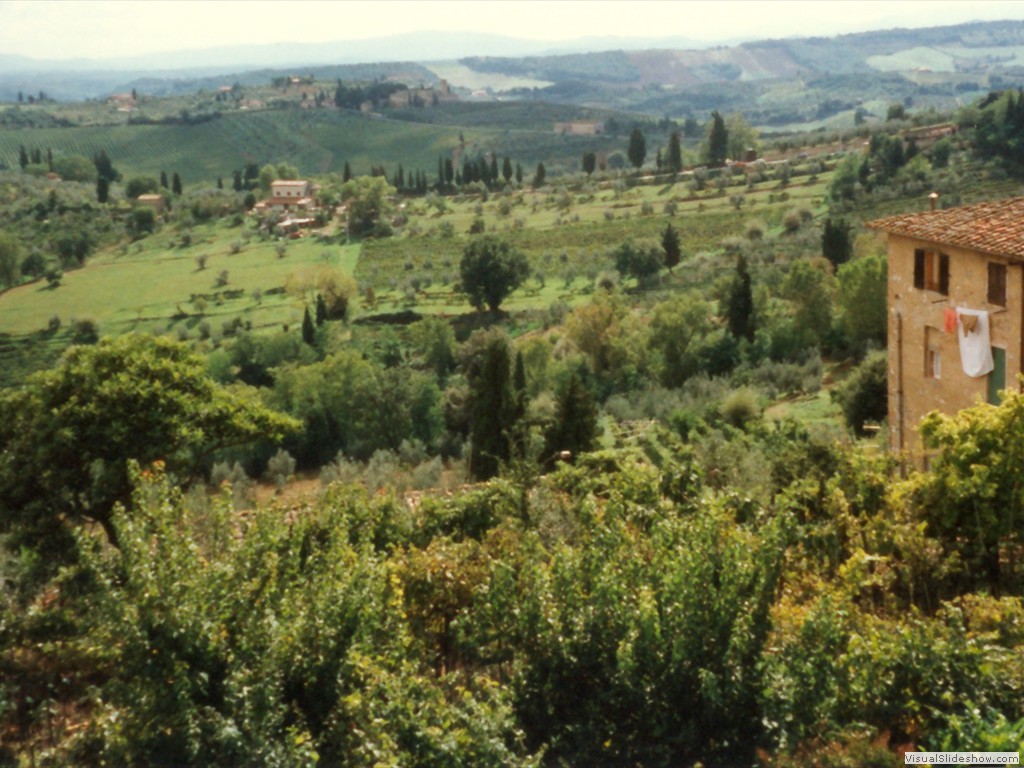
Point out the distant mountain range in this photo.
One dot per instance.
(936, 66)
(417, 46)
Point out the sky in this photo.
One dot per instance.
(99, 29)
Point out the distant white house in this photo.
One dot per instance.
(288, 196)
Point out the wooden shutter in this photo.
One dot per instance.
(943, 274)
(919, 269)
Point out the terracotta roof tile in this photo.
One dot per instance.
(995, 228)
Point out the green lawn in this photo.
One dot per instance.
(150, 284)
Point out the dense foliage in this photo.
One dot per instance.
(656, 566)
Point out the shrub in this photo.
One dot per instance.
(280, 468)
(863, 396)
(740, 408)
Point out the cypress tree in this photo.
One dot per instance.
(675, 153)
(492, 412)
(637, 148)
(538, 177)
(575, 426)
(670, 245)
(176, 184)
(506, 169)
(741, 303)
(163, 179)
(321, 310)
(836, 245)
(718, 140)
(308, 332)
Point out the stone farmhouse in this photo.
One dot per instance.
(955, 312)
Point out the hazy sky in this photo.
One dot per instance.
(101, 29)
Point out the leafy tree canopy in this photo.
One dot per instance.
(369, 203)
(67, 436)
(490, 270)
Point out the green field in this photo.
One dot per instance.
(150, 285)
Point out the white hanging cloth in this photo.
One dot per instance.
(975, 347)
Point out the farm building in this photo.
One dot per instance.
(288, 195)
(955, 311)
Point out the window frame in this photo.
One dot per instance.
(931, 270)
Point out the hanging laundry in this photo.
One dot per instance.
(975, 348)
(949, 320)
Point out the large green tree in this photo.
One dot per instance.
(640, 261)
(677, 330)
(741, 136)
(862, 287)
(369, 203)
(490, 270)
(67, 435)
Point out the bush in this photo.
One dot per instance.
(86, 331)
(740, 408)
(863, 396)
(281, 468)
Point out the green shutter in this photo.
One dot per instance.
(997, 379)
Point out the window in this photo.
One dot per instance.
(932, 354)
(931, 271)
(997, 284)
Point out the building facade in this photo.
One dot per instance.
(955, 312)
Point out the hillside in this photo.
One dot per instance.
(934, 67)
(774, 83)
